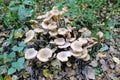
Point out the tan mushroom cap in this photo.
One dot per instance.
(34, 21)
(67, 44)
(71, 39)
(100, 34)
(65, 9)
(42, 16)
(59, 41)
(47, 19)
(83, 41)
(53, 33)
(63, 56)
(30, 53)
(44, 25)
(85, 32)
(70, 29)
(55, 11)
(87, 58)
(52, 26)
(76, 46)
(62, 31)
(44, 54)
(38, 30)
(68, 35)
(84, 53)
(77, 54)
(29, 36)
(52, 42)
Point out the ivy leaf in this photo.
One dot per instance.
(108, 35)
(10, 39)
(15, 65)
(29, 2)
(10, 57)
(22, 44)
(19, 64)
(18, 49)
(104, 48)
(11, 70)
(21, 60)
(3, 69)
(22, 13)
(12, 54)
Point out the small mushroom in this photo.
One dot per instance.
(62, 31)
(63, 56)
(52, 42)
(59, 41)
(65, 9)
(91, 45)
(83, 41)
(71, 39)
(68, 35)
(44, 25)
(34, 21)
(70, 29)
(52, 26)
(47, 19)
(30, 53)
(67, 44)
(53, 33)
(76, 46)
(85, 32)
(44, 54)
(29, 36)
(86, 58)
(42, 16)
(55, 11)
(77, 54)
(84, 53)
(38, 30)
(100, 34)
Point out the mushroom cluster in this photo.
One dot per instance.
(65, 42)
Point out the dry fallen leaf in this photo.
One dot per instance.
(104, 65)
(7, 78)
(115, 59)
(94, 63)
(89, 72)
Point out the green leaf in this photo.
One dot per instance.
(97, 70)
(12, 54)
(3, 69)
(1, 78)
(21, 60)
(22, 44)
(15, 65)
(104, 48)
(10, 57)
(13, 9)
(71, 1)
(10, 39)
(29, 2)
(22, 14)
(15, 48)
(11, 70)
(108, 35)
(19, 64)
(18, 49)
